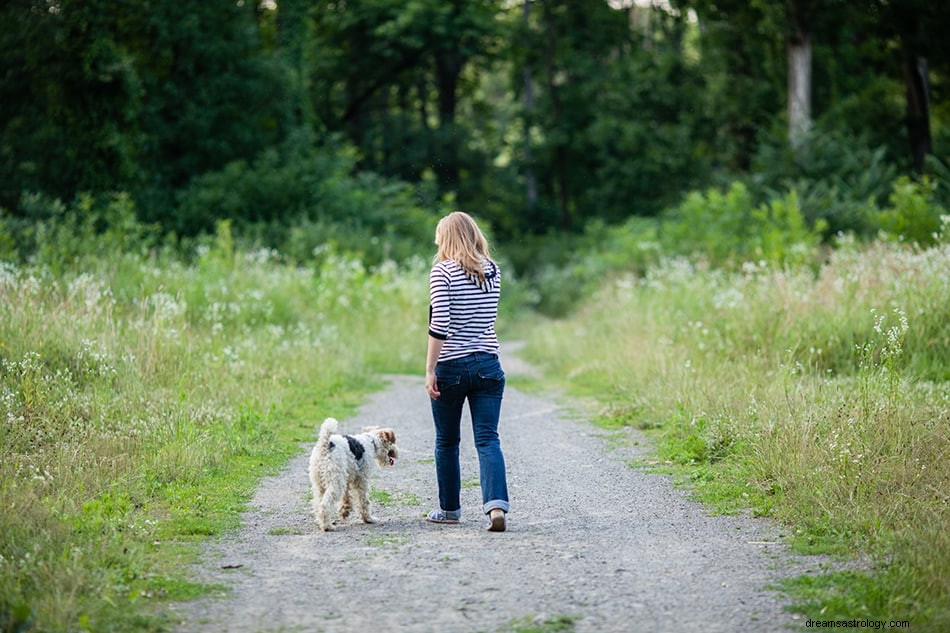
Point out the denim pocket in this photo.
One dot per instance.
(491, 374)
(447, 380)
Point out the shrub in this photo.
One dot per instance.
(580, 265)
(303, 196)
(59, 235)
(730, 228)
(841, 179)
(913, 214)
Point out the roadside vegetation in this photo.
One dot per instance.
(144, 392)
(800, 380)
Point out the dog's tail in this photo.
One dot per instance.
(328, 428)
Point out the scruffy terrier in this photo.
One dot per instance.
(340, 467)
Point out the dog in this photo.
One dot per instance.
(340, 466)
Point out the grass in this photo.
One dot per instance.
(386, 498)
(557, 624)
(143, 397)
(387, 540)
(817, 396)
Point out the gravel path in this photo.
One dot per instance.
(590, 539)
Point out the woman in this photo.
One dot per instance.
(462, 363)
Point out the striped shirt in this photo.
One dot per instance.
(462, 309)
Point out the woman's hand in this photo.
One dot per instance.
(432, 385)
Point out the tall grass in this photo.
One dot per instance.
(819, 398)
(141, 397)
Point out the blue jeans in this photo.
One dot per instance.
(479, 378)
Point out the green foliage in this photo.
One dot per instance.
(70, 97)
(60, 236)
(841, 180)
(576, 267)
(305, 196)
(729, 228)
(540, 117)
(913, 215)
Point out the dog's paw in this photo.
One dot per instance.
(370, 519)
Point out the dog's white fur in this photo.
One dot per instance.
(338, 477)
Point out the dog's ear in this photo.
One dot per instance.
(387, 435)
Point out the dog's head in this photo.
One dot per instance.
(386, 449)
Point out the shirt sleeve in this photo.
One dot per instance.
(439, 303)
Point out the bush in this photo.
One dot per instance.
(304, 196)
(729, 228)
(578, 266)
(57, 235)
(913, 214)
(840, 179)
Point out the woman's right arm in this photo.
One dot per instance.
(432, 357)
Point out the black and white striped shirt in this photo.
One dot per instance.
(462, 309)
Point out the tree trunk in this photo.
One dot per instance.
(918, 105)
(561, 183)
(448, 68)
(531, 185)
(799, 76)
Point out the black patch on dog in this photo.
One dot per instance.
(355, 447)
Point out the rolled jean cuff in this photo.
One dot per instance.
(499, 504)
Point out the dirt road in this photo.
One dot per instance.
(592, 544)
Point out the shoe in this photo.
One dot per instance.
(441, 516)
(496, 520)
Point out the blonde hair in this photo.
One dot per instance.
(460, 239)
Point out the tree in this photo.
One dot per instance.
(381, 69)
(212, 95)
(741, 56)
(799, 71)
(919, 28)
(70, 99)
(614, 109)
(96, 97)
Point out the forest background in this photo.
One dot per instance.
(214, 215)
(304, 122)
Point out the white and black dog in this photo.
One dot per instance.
(340, 467)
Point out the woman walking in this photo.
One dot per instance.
(462, 364)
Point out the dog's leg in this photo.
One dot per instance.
(330, 500)
(346, 505)
(317, 491)
(362, 495)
